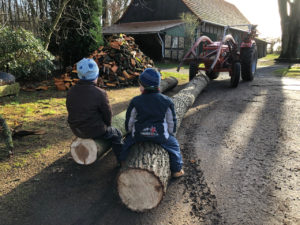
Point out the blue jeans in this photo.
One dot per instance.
(171, 146)
(115, 136)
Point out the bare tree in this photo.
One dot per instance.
(113, 10)
(55, 22)
(191, 23)
(290, 25)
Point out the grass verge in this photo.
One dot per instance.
(268, 60)
(293, 72)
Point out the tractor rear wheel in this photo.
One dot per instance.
(235, 74)
(193, 70)
(248, 62)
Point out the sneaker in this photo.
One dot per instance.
(178, 174)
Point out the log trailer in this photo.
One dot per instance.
(224, 56)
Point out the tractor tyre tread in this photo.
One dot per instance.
(248, 57)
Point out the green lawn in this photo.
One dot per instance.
(268, 60)
(182, 78)
(288, 72)
(169, 65)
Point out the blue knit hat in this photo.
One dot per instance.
(87, 69)
(150, 78)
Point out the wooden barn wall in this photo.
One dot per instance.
(153, 10)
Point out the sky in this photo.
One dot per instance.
(264, 13)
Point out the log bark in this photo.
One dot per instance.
(86, 151)
(7, 135)
(143, 181)
(10, 89)
(144, 178)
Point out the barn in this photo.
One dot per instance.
(160, 33)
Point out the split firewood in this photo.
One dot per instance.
(114, 68)
(126, 75)
(42, 88)
(121, 54)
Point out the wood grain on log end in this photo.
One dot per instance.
(84, 151)
(143, 180)
(140, 189)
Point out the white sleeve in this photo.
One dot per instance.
(132, 119)
(170, 121)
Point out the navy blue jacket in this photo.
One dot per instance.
(151, 117)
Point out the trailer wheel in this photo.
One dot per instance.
(212, 75)
(248, 62)
(193, 70)
(235, 74)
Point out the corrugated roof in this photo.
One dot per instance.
(141, 27)
(216, 11)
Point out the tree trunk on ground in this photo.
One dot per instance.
(86, 151)
(6, 133)
(142, 182)
(290, 20)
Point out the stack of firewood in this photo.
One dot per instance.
(120, 63)
(65, 81)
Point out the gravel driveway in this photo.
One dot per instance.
(246, 143)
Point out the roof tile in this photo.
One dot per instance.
(217, 11)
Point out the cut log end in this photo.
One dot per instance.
(140, 189)
(84, 151)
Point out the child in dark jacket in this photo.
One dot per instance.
(151, 117)
(89, 111)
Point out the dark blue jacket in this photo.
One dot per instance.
(151, 117)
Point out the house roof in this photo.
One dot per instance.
(216, 11)
(141, 27)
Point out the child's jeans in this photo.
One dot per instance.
(171, 146)
(115, 136)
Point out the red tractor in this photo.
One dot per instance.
(224, 56)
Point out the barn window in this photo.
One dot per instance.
(168, 53)
(174, 54)
(168, 41)
(175, 42)
(180, 54)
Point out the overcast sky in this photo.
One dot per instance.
(262, 12)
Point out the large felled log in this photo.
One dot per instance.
(142, 182)
(86, 151)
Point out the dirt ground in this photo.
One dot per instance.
(242, 162)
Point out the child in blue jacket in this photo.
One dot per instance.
(151, 117)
